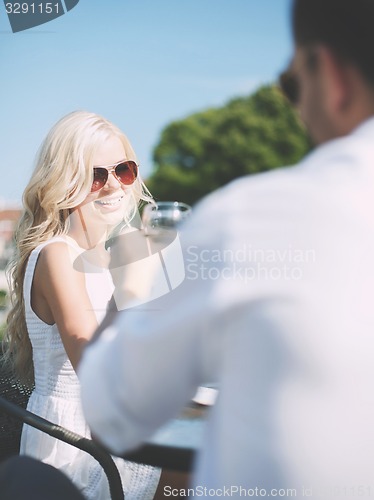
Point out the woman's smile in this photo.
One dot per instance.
(110, 202)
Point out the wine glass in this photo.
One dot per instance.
(160, 222)
(164, 217)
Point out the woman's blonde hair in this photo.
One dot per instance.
(61, 181)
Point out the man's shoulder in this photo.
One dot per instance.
(317, 171)
(252, 188)
(318, 184)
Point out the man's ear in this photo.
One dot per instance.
(336, 80)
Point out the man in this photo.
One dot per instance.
(277, 301)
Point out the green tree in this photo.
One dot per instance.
(208, 149)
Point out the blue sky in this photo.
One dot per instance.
(139, 63)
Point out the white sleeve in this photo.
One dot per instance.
(149, 362)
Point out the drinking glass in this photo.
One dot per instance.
(164, 217)
(161, 222)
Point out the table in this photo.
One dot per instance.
(174, 445)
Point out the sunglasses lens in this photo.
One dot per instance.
(100, 179)
(289, 85)
(127, 172)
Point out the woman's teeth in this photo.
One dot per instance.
(109, 203)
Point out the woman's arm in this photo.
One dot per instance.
(58, 295)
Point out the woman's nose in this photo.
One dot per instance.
(112, 182)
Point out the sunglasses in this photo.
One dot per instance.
(289, 85)
(125, 172)
(289, 82)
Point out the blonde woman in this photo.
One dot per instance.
(86, 182)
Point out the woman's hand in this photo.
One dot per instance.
(131, 267)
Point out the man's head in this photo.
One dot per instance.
(333, 64)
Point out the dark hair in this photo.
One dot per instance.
(345, 26)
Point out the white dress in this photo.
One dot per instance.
(56, 397)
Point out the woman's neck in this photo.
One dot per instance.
(87, 236)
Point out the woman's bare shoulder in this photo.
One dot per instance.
(58, 258)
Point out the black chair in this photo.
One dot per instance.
(10, 428)
(13, 401)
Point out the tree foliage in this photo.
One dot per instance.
(208, 149)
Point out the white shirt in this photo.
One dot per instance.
(278, 306)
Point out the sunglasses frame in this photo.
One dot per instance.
(111, 169)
